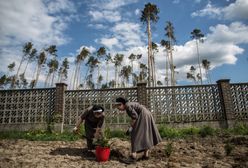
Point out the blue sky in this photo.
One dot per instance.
(115, 24)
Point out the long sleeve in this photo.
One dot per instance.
(86, 113)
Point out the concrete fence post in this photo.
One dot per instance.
(142, 93)
(226, 100)
(60, 103)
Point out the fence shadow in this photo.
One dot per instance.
(83, 152)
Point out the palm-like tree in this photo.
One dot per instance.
(125, 73)
(79, 59)
(166, 45)
(198, 36)
(132, 57)
(192, 75)
(101, 53)
(63, 70)
(169, 29)
(117, 63)
(30, 58)
(11, 67)
(40, 62)
(53, 66)
(149, 14)
(206, 66)
(3, 80)
(108, 59)
(154, 51)
(92, 64)
(159, 83)
(26, 50)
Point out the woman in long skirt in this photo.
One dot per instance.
(144, 133)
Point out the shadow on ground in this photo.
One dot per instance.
(83, 152)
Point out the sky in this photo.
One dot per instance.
(115, 25)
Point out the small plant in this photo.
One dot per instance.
(103, 142)
(206, 130)
(228, 148)
(168, 149)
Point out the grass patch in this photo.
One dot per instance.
(165, 132)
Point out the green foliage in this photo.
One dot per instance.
(166, 132)
(168, 149)
(206, 130)
(240, 129)
(40, 135)
(190, 131)
(228, 148)
(103, 142)
(118, 134)
(107, 133)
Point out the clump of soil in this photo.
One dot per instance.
(191, 152)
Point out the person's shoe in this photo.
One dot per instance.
(129, 160)
(144, 157)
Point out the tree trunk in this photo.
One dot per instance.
(150, 78)
(199, 60)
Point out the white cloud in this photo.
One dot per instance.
(236, 10)
(220, 47)
(235, 33)
(111, 4)
(129, 34)
(57, 6)
(41, 22)
(110, 42)
(137, 11)
(98, 26)
(103, 16)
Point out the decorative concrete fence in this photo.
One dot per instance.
(220, 105)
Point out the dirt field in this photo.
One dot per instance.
(191, 152)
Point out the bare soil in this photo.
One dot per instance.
(193, 152)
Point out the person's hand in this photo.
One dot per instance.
(75, 130)
(129, 131)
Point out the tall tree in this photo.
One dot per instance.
(84, 53)
(169, 29)
(26, 50)
(3, 81)
(149, 15)
(198, 36)
(30, 58)
(125, 73)
(166, 45)
(206, 66)
(108, 60)
(132, 58)
(63, 70)
(92, 64)
(117, 63)
(154, 51)
(40, 63)
(101, 54)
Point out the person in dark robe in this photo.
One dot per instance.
(93, 118)
(143, 130)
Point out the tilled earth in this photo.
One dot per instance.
(192, 152)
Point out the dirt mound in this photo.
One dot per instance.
(191, 152)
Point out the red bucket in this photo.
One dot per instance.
(102, 153)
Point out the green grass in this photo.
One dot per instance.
(165, 132)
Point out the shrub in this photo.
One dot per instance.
(240, 129)
(206, 130)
